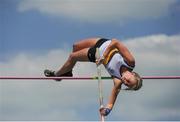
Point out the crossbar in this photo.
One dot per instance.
(78, 78)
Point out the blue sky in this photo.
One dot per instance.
(39, 34)
(34, 30)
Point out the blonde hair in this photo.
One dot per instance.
(139, 81)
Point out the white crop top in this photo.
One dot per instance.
(117, 61)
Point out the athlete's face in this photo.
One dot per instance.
(129, 79)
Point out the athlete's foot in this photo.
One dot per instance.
(50, 73)
(68, 74)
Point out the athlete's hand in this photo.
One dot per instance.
(100, 60)
(104, 111)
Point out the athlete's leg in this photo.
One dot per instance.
(80, 50)
(80, 55)
(86, 43)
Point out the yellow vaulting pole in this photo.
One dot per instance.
(99, 83)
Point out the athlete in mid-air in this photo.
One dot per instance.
(116, 58)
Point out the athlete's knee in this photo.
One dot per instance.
(75, 46)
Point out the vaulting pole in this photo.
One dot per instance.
(99, 83)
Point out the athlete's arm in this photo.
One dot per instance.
(114, 93)
(122, 50)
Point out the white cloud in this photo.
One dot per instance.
(100, 10)
(78, 100)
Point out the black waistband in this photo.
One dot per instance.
(100, 42)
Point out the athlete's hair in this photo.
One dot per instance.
(139, 81)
